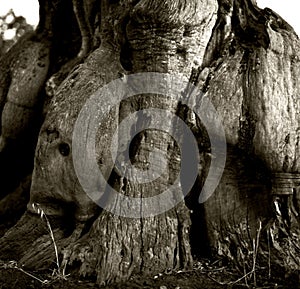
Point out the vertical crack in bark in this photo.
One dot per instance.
(247, 122)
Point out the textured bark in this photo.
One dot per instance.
(245, 60)
(24, 70)
(260, 117)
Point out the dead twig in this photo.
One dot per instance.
(59, 272)
(14, 265)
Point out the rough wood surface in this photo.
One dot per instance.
(260, 115)
(246, 62)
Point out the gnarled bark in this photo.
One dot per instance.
(245, 60)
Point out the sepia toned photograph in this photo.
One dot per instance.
(149, 144)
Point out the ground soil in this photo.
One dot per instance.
(201, 277)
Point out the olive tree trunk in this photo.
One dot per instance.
(245, 61)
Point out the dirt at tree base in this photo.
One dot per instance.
(213, 278)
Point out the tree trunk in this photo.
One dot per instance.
(245, 61)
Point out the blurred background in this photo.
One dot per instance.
(16, 18)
